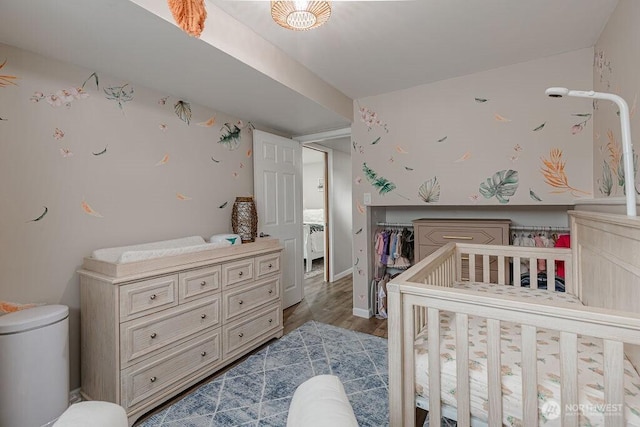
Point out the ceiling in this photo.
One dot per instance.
(366, 48)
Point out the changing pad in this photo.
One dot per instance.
(126, 254)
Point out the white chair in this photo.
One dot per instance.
(94, 414)
(320, 402)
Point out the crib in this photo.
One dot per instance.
(493, 354)
(313, 236)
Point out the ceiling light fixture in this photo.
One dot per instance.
(300, 15)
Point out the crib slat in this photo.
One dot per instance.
(494, 369)
(472, 268)
(614, 382)
(433, 323)
(403, 361)
(568, 377)
(501, 277)
(462, 369)
(529, 376)
(551, 275)
(516, 272)
(533, 273)
(486, 278)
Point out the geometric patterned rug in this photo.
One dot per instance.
(257, 392)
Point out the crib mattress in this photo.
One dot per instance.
(590, 358)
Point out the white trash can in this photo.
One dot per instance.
(34, 366)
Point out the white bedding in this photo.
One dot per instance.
(591, 381)
(313, 216)
(126, 254)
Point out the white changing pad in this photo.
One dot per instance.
(184, 245)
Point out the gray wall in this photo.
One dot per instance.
(134, 193)
(342, 216)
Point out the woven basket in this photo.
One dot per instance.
(244, 219)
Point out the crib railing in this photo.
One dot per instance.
(417, 301)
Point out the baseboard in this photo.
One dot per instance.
(74, 396)
(345, 273)
(361, 312)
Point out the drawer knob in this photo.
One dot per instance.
(203, 354)
(203, 283)
(241, 273)
(270, 291)
(152, 297)
(240, 334)
(270, 320)
(240, 302)
(153, 335)
(153, 379)
(203, 316)
(270, 266)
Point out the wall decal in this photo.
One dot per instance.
(183, 111)
(58, 134)
(540, 127)
(429, 191)
(3, 120)
(66, 152)
(358, 180)
(249, 152)
(235, 174)
(503, 184)
(534, 196)
(408, 168)
(357, 261)
(182, 197)
(359, 231)
(162, 127)
(93, 75)
(46, 210)
(241, 165)
(120, 94)
(370, 118)
(208, 123)
(474, 198)
(401, 150)
(163, 100)
(443, 139)
(375, 141)
(230, 136)
(214, 160)
(500, 118)
(465, 156)
(603, 68)
(577, 128)
(89, 210)
(164, 160)
(224, 205)
(382, 184)
(605, 184)
(391, 160)
(6, 80)
(360, 208)
(100, 153)
(61, 97)
(481, 100)
(555, 176)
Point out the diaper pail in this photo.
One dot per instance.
(34, 366)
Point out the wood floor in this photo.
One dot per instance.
(331, 303)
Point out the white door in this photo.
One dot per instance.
(277, 181)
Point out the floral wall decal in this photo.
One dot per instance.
(66, 152)
(42, 215)
(502, 185)
(555, 175)
(370, 119)
(61, 97)
(5, 79)
(120, 94)
(58, 134)
(183, 111)
(380, 183)
(578, 127)
(429, 191)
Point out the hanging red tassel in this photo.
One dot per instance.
(189, 15)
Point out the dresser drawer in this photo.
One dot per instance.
(267, 264)
(238, 301)
(440, 235)
(199, 283)
(148, 335)
(235, 273)
(243, 332)
(148, 296)
(142, 382)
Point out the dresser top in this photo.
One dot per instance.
(463, 220)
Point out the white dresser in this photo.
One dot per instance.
(151, 329)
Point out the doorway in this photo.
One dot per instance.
(315, 209)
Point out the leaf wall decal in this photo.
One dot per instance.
(183, 111)
(503, 184)
(6, 80)
(606, 184)
(89, 210)
(164, 160)
(408, 168)
(46, 210)
(500, 118)
(465, 156)
(95, 77)
(429, 191)
(214, 160)
(120, 94)
(359, 231)
(376, 140)
(208, 123)
(481, 100)
(383, 185)
(101, 152)
(401, 150)
(554, 174)
(181, 196)
(534, 196)
(443, 139)
(222, 206)
(540, 127)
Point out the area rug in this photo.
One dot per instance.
(317, 268)
(257, 391)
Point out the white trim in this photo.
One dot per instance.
(323, 136)
(343, 274)
(601, 201)
(361, 312)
